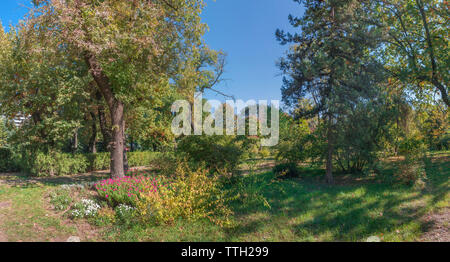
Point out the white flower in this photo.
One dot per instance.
(86, 208)
(122, 210)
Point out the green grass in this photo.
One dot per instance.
(304, 209)
(26, 219)
(308, 210)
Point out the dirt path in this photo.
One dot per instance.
(437, 227)
(36, 218)
(3, 205)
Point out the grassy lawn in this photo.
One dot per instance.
(303, 209)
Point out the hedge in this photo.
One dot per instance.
(7, 161)
(58, 164)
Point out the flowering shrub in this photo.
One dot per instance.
(127, 189)
(125, 213)
(105, 216)
(193, 195)
(85, 208)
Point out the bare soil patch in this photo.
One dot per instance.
(437, 227)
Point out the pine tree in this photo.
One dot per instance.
(330, 62)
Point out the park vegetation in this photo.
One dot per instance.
(88, 86)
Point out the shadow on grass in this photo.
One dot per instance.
(353, 210)
(26, 181)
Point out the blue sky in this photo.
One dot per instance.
(244, 29)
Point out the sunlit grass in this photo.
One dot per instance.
(304, 209)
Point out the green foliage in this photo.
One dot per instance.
(412, 147)
(193, 195)
(125, 214)
(56, 164)
(60, 164)
(295, 141)
(138, 159)
(330, 62)
(434, 125)
(99, 161)
(247, 191)
(444, 142)
(106, 216)
(3, 132)
(264, 153)
(8, 163)
(286, 170)
(360, 134)
(416, 48)
(60, 199)
(218, 153)
(412, 169)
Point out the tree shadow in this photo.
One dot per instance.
(26, 181)
(342, 212)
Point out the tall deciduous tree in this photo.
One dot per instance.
(329, 62)
(417, 44)
(131, 48)
(42, 85)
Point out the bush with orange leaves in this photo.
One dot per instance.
(193, 195)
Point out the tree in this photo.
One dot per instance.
(3, 132)
(42, 85)
(295, 140)
(131, 48)
(361, 133)
(417, 50)
(330, 63)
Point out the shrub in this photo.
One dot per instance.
(7, 162)
(164, 163)
(99, 161)
(412, 169)
(57, 164)
(247, 190)
(125, 213)
(105, 216)
(127, 189)
(286, 170)
(193, 195)
(264, 152)
(216, 152)
(136, 159)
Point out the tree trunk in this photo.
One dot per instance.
(75, 142)
(131, 144)
(93, 139)
(117, 141)
(125, 158)
(330, 150)
(116, 109)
